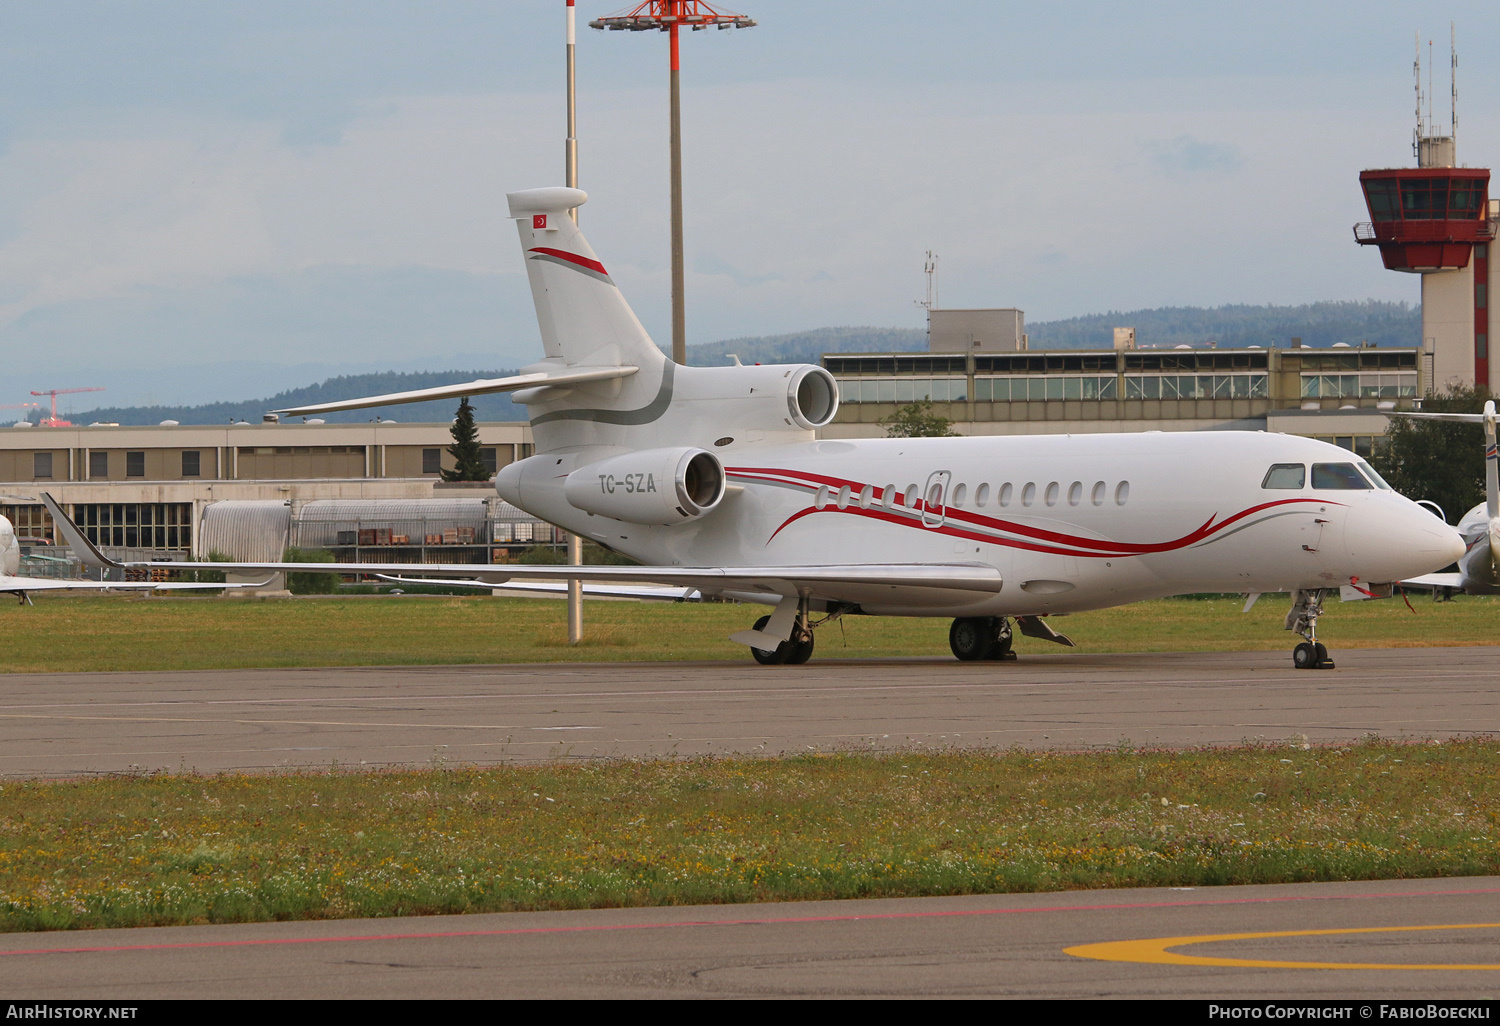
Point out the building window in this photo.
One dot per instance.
(99, 465)
(166, 525)
(192, 463)
(489, 459)
(432, 461)
(41, 465)
(1482, 346)
(135, 464)
(1481, 295)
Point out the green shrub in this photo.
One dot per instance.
(310, 583)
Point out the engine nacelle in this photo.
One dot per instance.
(653, 486)
(812, 397)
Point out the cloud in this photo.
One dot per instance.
(1187, 155)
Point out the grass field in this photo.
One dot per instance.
(185, 849)
(189, 849)
(71, 634)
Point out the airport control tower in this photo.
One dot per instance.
(1437, 220)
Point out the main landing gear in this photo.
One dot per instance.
(981, 637)
(794, 651)
(1307, 606)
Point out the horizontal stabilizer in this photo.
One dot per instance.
(485, 386)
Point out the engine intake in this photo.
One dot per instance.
(812, 397)
(653, 486)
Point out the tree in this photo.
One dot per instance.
(916, 420)
(468, 460)
(1437, 460)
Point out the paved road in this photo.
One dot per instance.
(67, 724)
(1006, 945)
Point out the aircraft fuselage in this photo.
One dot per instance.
(1072, 522)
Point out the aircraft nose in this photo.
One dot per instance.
(1392, 539)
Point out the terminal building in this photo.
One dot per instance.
(1337, 393)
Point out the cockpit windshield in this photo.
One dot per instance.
(1375, 478)
(1285, 475)
(1338, 477)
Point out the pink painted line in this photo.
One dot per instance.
(520, 931)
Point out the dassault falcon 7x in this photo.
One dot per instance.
(1478, 573)
(715, 479)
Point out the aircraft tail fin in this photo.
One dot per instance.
(77, 541)
(584, 320)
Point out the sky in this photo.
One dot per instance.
(202, 202)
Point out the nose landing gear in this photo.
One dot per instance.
(1307, 606)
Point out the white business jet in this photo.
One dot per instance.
(23, 587)
(1480, 527)
(715, 478)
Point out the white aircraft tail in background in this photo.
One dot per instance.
(715, 479)
(1478, 573)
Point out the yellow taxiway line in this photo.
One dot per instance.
(1156, 951)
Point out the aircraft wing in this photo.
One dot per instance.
(484, 386)
(559, 589)
(11, 585)
(854, 583)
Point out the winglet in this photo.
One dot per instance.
(75, 538)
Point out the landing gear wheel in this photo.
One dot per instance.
(1305, 656)
(773, 658)
(800, 650)
(1324, 663)
(971, 637)
(1001, 650)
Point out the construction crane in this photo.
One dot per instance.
(52, 421)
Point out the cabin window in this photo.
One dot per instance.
(959, 494)
(843, 500)
(889, 495)
(1122, 493)
(1285, 475)
(911, 496)
(865, 495)
(821, 499)
(1005, 494)
(981, 495)
(1052, 491)
(1098, 495)
(1028, 494)
(1075, 493)
(1338, 477)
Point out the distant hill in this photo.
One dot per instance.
(807, 346)
(1317, 324)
